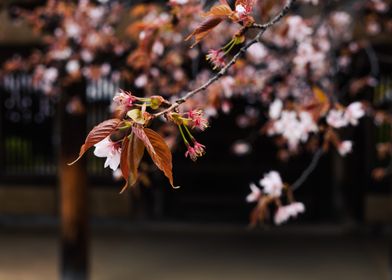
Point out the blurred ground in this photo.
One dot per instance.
(149, 252)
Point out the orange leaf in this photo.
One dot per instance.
(222, 10)
(160, 153)
(203, 29)
(97, 134)
(136, 151)
(320, 95)
(140, 133)
(131, 156)
(124, 159)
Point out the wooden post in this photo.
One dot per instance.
(73, 196)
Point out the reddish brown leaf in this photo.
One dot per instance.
(97, 134)
(222, 10)
(140, 133)
(136, 151)
(160, 153)
(124, 166)
(204, 28)
(131, 156)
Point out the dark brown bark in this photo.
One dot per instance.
(73, 196)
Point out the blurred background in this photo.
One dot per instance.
(199, 231)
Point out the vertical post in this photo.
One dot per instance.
(73, 195)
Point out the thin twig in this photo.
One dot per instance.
(306, 173)
(223, 71)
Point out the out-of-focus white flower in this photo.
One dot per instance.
(86, 55)
(105, 69)
(227, 84)
(307, 125)
(110, 150)
(341, 19)
(72, 66)
(354, 112)
(178, 2)
(308, 54)
(336, 119)
(298, 30)
(295, 128)
(272, 184)
(51, 74)
(141, 81)
(373, 27)
(285, 212)
(257, 53)
(60, 54)
(158, 48)
(345, 147)
(255, 193)
(72, 29)
(313, 2)
(241, 148)
(275, 109)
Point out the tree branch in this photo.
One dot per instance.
(306, 173)
(223, 71)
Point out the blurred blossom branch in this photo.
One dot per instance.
(306, 173)
(223, 71)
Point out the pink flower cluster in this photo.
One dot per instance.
(196, 151)
(341, 118)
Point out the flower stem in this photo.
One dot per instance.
(183, 136)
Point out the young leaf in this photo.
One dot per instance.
(320, 95)
(135, 155)
(124, 166)
(203, 29)
(139, 131)
(97, 134)
(131, 156)
(222, 10)
(160, 153)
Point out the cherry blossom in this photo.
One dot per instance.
(354, 112)
(199, 148)
(272, 184)
(124, 98)
(285, 212)
(297, 28)
(336, 119)
(294, 127)
(191, 153)
(110, 150)
(275, 109)
(345, 148)
(197, 120)
(255, 193)
(216, 57)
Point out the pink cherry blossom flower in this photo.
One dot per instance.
(216, 57)
(197, 120)
(191, 152)
(336, 119)
(272, 184)
(294, 127)
(255, 193)
(123, 98)
(345, 147)
(199, 148)
(354, 112)
(110, 150)
(285, 212)
(275, 109)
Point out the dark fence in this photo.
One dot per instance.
(29, 123)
